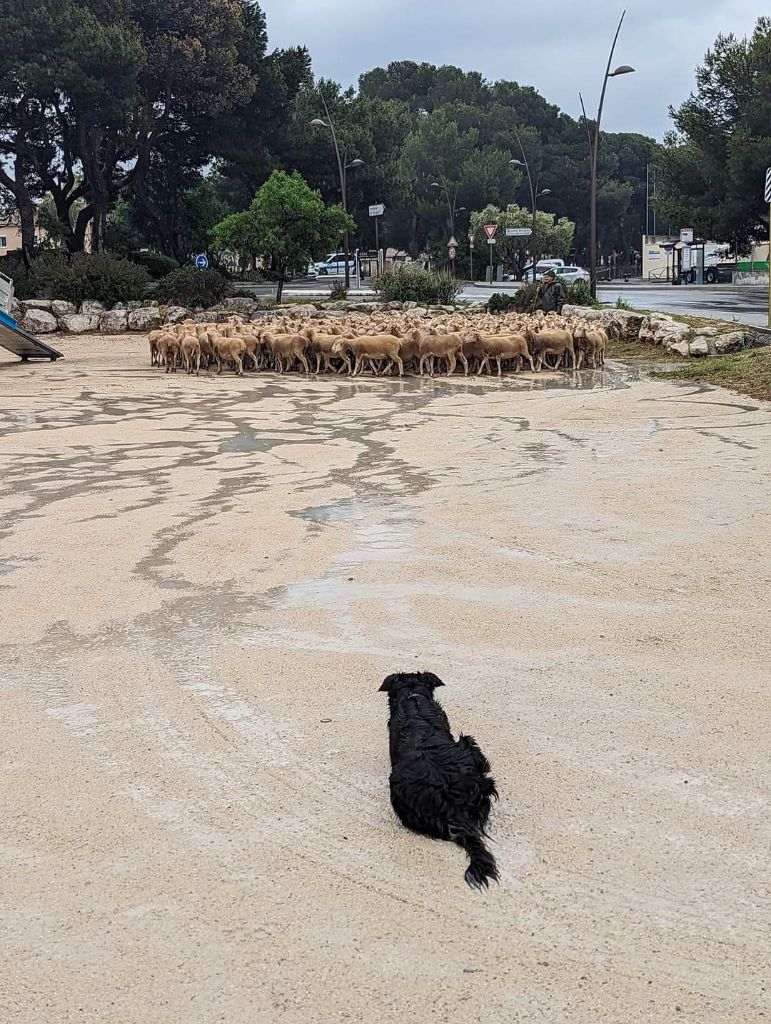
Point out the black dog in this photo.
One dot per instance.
(439, 786)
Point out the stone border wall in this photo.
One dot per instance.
(46, 316)
(658, 329)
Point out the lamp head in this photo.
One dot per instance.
(622, 69)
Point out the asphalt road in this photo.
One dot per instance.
(747, 305)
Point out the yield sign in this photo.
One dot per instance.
(490, 230)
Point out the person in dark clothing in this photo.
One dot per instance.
(552, 293)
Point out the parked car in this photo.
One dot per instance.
(569, 275)
(335, 264)
(541, 267)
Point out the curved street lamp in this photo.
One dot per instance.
(342, 169)
(622, 69)
(534, 197)
(451, 206)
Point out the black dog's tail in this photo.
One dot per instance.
(482, 866)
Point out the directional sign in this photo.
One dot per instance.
(453, 252)
(768, 185)
(518, 232)
(490, 230)
(377, 210)
(202, 261)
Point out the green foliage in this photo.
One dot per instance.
(714, 164)
(554, 236)
(189, 286)
(155, 263)
(502, 302)
(580, 294)
(98, 276)
(286, 223)
(14, 267)
(408, 283)
(338, 291)
(527, 298)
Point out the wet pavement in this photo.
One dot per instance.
(203, 582)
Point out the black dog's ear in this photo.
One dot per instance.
(430, 679)
(388, 683)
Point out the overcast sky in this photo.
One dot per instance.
(557, 47)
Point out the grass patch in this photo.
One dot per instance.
(747, 372)
(636, 352)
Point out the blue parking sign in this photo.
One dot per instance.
(202, 261)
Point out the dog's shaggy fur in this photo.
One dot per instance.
(440, 786)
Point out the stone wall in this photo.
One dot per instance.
(658, 329)
(46, 316)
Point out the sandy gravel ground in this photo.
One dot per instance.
(202, 584)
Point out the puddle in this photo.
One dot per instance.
(321, 515)
(255, 443)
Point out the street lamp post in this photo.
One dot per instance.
(452, 208)
(342, 169)
(534, 197)
(622, 69)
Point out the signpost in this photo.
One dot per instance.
(471, 251)
(202, 261)
(452, 251)
(491, 231)
(519, 232)
(377, 211)
(767, 194)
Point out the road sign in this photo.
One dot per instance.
(518, 232)
(452, 243)
(491, 241)
(377, 210)
(768, 185)
(490, 230)
(686, 235)
(453, 252)
(202, 261)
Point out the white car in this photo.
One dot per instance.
(541, 267)
(335, 264)
(569, 275)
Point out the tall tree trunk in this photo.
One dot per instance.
(27, 219)
(25, 206)
(280, 285)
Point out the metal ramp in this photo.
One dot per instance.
(13, 337)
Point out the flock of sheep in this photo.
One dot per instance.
(382, 343)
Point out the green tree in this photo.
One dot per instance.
(714, 163)
(286, 224)
(555, 236)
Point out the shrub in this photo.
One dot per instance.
(155, 263)
(13, 266)
(445, 287)
(189, 286)
(99, 276)
(338, 291)
(502, 302)
(408, 283)
(580, 294)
